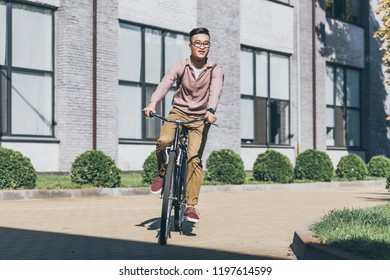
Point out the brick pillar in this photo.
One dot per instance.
(222, 18)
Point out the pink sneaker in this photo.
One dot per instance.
(156, 186)
(191, 215)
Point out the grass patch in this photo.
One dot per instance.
(50, 182)
(362, 231)
(134, 180)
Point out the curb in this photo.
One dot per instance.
(113, 192)
(307, 247)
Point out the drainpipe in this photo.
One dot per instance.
(314, 73)
(94, 76)
(298, 81)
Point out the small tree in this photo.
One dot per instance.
(351, 167)
(314, 165)
(225, 166)
(96, 168)
(273, 166)
(379, 166)
(150, 168)
(16, 170)
(383, 33)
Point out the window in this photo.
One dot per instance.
(145, 54)
(265, 98)
(345, 10)
(26, 70)
(343, 106)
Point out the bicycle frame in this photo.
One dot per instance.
(174, 188)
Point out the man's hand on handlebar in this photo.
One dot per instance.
(211, 118)
(151, 108)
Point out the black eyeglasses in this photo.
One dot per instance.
(199, 44)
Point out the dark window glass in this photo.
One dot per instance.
(265, 98)
(343, 107)
(145, 54)
(26, 82)
(345, 10)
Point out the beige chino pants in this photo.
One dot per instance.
(197, 137)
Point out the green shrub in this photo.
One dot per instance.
(16, 170)
(95, 168)
(351, 167)
(314, 165)
(379, 166)
(225, 166)
(273, 166)
(150, 169)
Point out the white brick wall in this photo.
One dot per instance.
(259, 23)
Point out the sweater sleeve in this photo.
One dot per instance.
(166, 83)
(216, 86)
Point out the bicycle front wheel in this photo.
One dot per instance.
(169, 182)
(180, 206)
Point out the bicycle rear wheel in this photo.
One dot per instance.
(169, 182)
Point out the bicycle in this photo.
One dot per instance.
(174, 188)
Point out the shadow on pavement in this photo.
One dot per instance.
(19, 244)
(154, 224)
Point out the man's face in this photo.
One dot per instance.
(201, 51)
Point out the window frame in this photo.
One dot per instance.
(9, 69)
(344, 109)
(144, 84)
(256, 141)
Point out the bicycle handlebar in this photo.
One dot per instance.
(179, 121)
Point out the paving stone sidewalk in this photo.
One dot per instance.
(237, 222)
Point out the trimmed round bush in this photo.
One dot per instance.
(379, 166)
(351, 167)
(150, 169)
(16, 170)
(274, 167)
(314, 165)
(225, 166)
(95, 168)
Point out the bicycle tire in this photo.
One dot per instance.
(167, 199)
(180, 207)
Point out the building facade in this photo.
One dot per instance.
(299, 75)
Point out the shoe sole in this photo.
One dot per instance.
(156, 192)
(194, 221)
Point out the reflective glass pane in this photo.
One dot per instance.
(262, 74)
(130, 53)
(352, 13)
(353, 88)
(168, 102)
(176, 47)
(129, 112)
(31, 37)
(340, 86)
(246, 71)
(2, 33)
(247, 120)
(3, 100)
(153, 125)
(329, 85)
(31, 104)
(279, 122)
(330, 127)
(152, 56)
(279, 77)
(353, 128)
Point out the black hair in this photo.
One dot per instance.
(199, 30)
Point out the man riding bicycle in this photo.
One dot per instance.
(199, 86)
